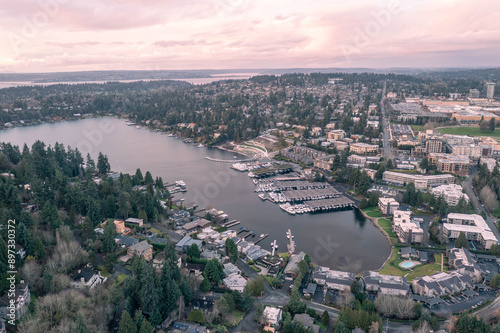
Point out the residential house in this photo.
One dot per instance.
(235, 282)
(230, 269)
(21, 303)
(272, 316)
(134, 221)
(307, 320)
(87, 278)
(182, 326)
(142, 249)
(186, 242)
(292, 268)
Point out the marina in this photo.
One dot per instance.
(362, 245)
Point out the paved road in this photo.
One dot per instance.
(386, 139)
(467, 185)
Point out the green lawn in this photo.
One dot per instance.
(418, 128)
(385, 223)
(374, 214)
(473, 131)
(104, 271)
(418, 271)
(120, 278)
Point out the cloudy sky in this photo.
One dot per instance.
(74, 35)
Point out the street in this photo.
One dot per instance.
(386, 128)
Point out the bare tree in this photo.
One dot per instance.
(395, 306)
(489, 198)
(346, 298)
(374, 327)
(424, 327)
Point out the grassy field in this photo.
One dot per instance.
(418, 271)
(387, 226)
(374, 214)
(473, 131)
(418, 128)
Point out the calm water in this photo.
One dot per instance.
(342, 240)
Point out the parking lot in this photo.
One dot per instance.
(462, 303)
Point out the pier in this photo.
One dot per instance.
(229, 161)
(261, 238)
(291, 244)
(232, 223)
(323, 205)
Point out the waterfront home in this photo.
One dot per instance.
(142, 249)
(292, 268)
(195, 226)
(87, 278)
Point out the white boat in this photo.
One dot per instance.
(138, 126)
(262, 196)
(129, 123)
(170, 134)
(180, 183)
(200, 145)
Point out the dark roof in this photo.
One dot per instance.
(434, 301)
(311, 288)
(469, 293)
(86, 273)
(127, 241)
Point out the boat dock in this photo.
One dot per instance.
(291, 243)
(261, 238)
(232, 223)
(323, 205)
(242, 230)
(229, 161)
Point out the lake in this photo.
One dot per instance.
(341, 240)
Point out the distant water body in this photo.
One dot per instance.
(196, 81)
(341, 240)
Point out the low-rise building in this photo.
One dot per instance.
(87, 278)
(336, 134)
(388, 205)
(230, 269)
(141, 249)
(363, 148)
(333, 279)
(186, 242)
(386, 284)
(137, 222)
(465, 263)
(271, 316)
(235, 282)
(292, 268)
(441, 284)
(195, 225)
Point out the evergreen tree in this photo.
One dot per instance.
(231, 250)
(213, 271)
(103, 164)
(127, 325)
(146, 327)
(196, 316)
(108, 237)
(205, 285)
(462, 241)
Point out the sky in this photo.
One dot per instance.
(78, 35)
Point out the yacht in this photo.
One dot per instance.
(180, 183)
(200, 145)
(262, 196)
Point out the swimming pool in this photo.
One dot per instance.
(407, 264)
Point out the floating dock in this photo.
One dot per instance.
(291, 243)
(261, 238)
(232, 223)
(324, 205)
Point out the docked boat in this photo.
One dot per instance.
(200, 145)
(180, 183)
(262, 196)
(130, 123)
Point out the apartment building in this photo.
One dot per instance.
(420, 181)
(388, 205)
(473, 226)
(333, 279)
(363, 148)
(336, 134)
(407, 230)
(455, 164)
(451, 193)
(465, 263)
(472, 151)
(386, 284)
(441, 284)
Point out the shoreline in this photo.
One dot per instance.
(374, 220)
